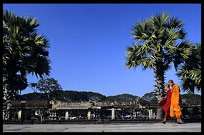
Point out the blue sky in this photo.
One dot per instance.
(88, 43)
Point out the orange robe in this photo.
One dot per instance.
(175, 109)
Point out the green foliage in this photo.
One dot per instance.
(160, 41)
(190, 71)
(70, 95)
(149, 96)
(82, 96)
(191, 96)
(67, 95)
(122, 97)
(33, 96)
(47, 85)
(24, 52)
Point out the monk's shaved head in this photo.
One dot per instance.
(171, 81)
(167, 85)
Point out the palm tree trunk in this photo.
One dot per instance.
(159, 75)
(48, 97)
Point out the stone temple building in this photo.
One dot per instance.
(57, 110)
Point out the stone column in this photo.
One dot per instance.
(89, 114)
(51, 115)
(113, 113)
(3, 115)
(150, 113)
(137, 114)
(134, 115)
(159, 112)
(8, 115)
(153, 115)
(66, 115)
(19, 114)
(54, 115)
(21, 111)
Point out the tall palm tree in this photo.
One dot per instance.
(160, 41)
(190, 71)
(24, 52)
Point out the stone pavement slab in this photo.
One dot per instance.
(116, 127)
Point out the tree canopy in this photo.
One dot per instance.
(24, 52)
(190, 71)
(48, 85)
(71, 95)
(160, 41)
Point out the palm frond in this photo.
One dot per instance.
(191, 69)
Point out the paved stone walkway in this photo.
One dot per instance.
(124, 127)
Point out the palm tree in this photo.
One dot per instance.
(160, 41)
(190, 71)
(24, 52)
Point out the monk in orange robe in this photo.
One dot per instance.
(175, 108)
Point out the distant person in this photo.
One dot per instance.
(175, 107)
(166, 102)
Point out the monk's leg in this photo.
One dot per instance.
(178, 116)
(164, 121)
(166, 115)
